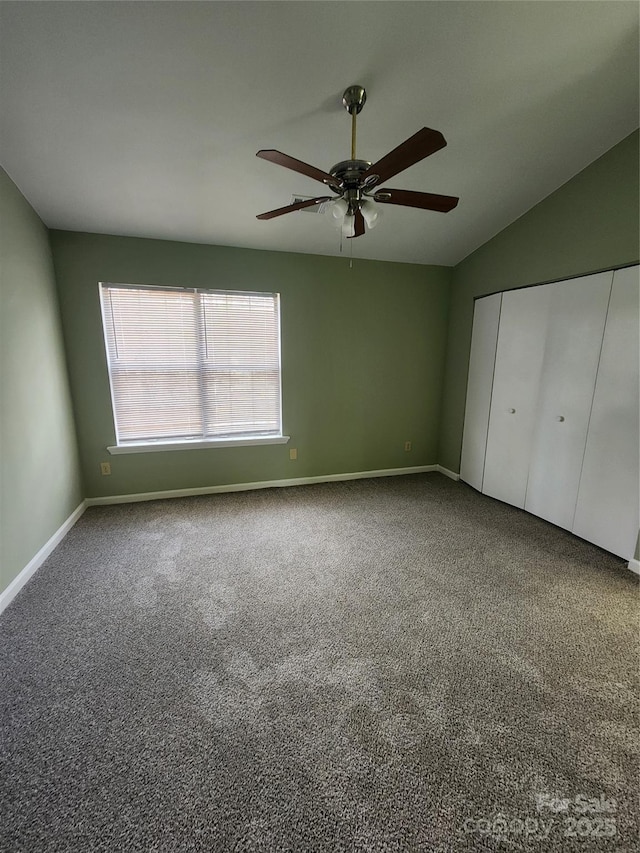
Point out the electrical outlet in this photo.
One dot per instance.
(407, 445)
(105, 468)
(293, 454)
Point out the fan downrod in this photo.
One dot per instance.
(353, 100)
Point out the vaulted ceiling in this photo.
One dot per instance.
(144, 118)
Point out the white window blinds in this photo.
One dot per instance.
(192, 364)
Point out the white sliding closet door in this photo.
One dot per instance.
(519, 354)
(577, 314)
(486, 316)
(608, 504)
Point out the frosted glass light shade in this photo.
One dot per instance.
(349, 226)
(339, 208)
(371, 212)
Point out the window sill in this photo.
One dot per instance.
(157, 446)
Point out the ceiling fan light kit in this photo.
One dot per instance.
(354, 182)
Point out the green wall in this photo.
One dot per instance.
(40, 482)
(589, 224)
(362, 359)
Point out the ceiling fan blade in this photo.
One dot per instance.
(271, 214)
(416, 148)
(408, 198)
(358, 224)
(298, 166)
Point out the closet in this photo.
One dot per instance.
(551, 419)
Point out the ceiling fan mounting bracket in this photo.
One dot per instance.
(354, 99)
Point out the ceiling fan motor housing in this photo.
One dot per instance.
(349, 174)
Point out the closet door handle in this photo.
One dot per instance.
(560, 418)
(511, 411)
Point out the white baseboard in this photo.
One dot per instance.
(447, 473)
(7, 595)
(261, 484)
(634, 565)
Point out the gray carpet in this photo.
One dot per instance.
(380, 665)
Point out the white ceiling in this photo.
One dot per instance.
(143, 118)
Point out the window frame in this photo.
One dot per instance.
(153, 445)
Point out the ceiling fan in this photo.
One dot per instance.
(355, 182)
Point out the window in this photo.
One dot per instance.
(188, 367)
